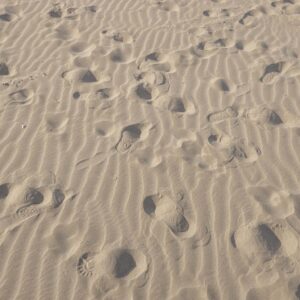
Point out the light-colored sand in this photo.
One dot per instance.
(149, 149)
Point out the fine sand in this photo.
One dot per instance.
(150, 149)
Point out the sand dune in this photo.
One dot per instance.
(149, 149)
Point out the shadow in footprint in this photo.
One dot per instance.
(129, 136)
(56, 12)
(272, 72)
(34, 196)
(88, 77)
(125, 263)
(58, 198)
(4, 71)
(144, 92)
(268, 238)
(4, 190)
(5, 17)
(164, 209)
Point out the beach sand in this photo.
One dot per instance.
(149, 149)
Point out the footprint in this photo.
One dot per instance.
(41, 200)
(151, 84)
(55, 12)
(224, 151)
(218, 13)
(216, 44)
(66, 32)
(58, 197)
(5, 17)
(118, 36)
(91, 8)
(229, 112)
(79, 47)
(86, 264)
(162, 208)
(61, 240)
(76, 95)
(121, 55)
(262, 115)
(119, 264)
(124, 264)
(165, 5)
(279, 204)
(251, 17)
(272, 73)
(4, 71)
(158, 61)
(83, 75)
(223, 85)
(22, 96)
(263, 242)
(217, 150)
(175, 104)
(292, 10)
(88, 76)
(129, 137)
(4, 190)
(20, 203)
(144, 91)
(107, 93)
(56, 122)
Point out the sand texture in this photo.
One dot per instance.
(149, 150)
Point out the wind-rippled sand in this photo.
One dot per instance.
(149, 149)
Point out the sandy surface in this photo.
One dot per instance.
(149, 149)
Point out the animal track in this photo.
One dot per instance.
(162, 208)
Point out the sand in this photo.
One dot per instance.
(149, 149)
